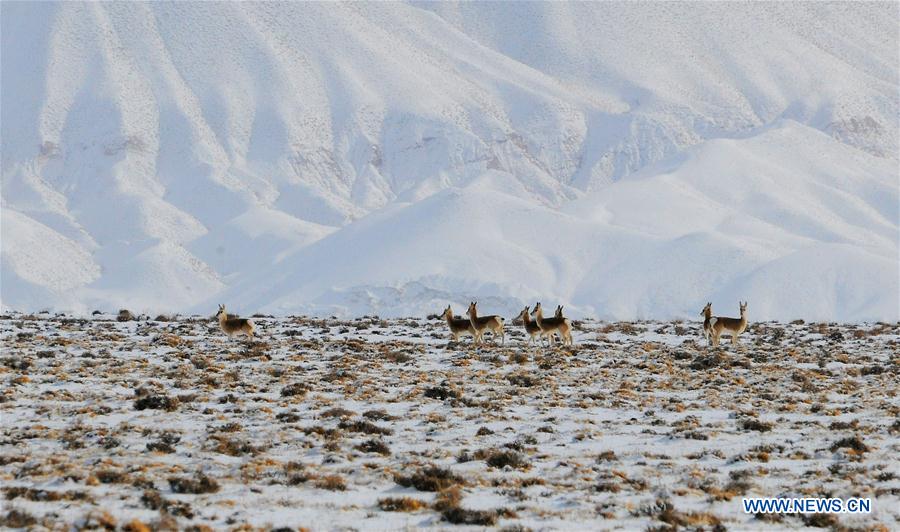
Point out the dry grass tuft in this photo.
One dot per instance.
(374, 446)
(431, 478)
(200, 483)
(331, 482)
(401, 504)
(364, 426)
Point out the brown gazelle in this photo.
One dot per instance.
(567, 339)
(458, 326)
(531, 327)
(555, 325)
(707, 319)
(233, 326)
(481, 324)
(734, 326)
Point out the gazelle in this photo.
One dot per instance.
(707, 319)
(531, 328)
(485, 323)
(232, 326)
(557, 324)
(458, 326)
(568, 325)
(735, 326)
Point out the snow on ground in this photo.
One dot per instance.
(336, 424)
(166, 156)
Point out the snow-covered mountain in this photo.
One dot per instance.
(625, 159)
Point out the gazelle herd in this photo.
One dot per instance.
(537, 327)
(540, 328)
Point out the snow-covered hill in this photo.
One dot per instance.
(628, 160)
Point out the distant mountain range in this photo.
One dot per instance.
(628, 160)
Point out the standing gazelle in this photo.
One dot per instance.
(707, 320)
(458, 326)
(531, 327)
(485, 323)
(734, 326)
(557, 324)
(232, 326)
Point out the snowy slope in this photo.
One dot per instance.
(810, 230)
(626, 159)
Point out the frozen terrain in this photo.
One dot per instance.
(632, 160)
(380, 424)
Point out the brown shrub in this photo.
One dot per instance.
(378, 415)
(374, 446)
(363, 426)
(331, 482)
(156, 402)
(430, 478)
(850, 443)
(18, 519)
(294, 390)
(199, 484)
(501, 459)
(337, 412)
(401, 504)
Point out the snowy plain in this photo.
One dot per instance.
(629, 160)
(373, 424)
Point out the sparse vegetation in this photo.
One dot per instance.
(199, 483)
(457, 425)
(374, 446)
(332, 483)
(755, 424)
(431, 478)
(294, 390)
(501, 459)
(442, 393)
(401, 504)
(363, 426)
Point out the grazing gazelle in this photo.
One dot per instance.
(707, 321)
(458, 326)
(734, 326)
(232, 326)
(557, 324)
(531, 328)
(485, 323)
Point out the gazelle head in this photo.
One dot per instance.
(559, 311)
(221, 311)
(447, 313)
(743, 307)
(707, 310)
(523, 315)
(537, 309)
(473, 311)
